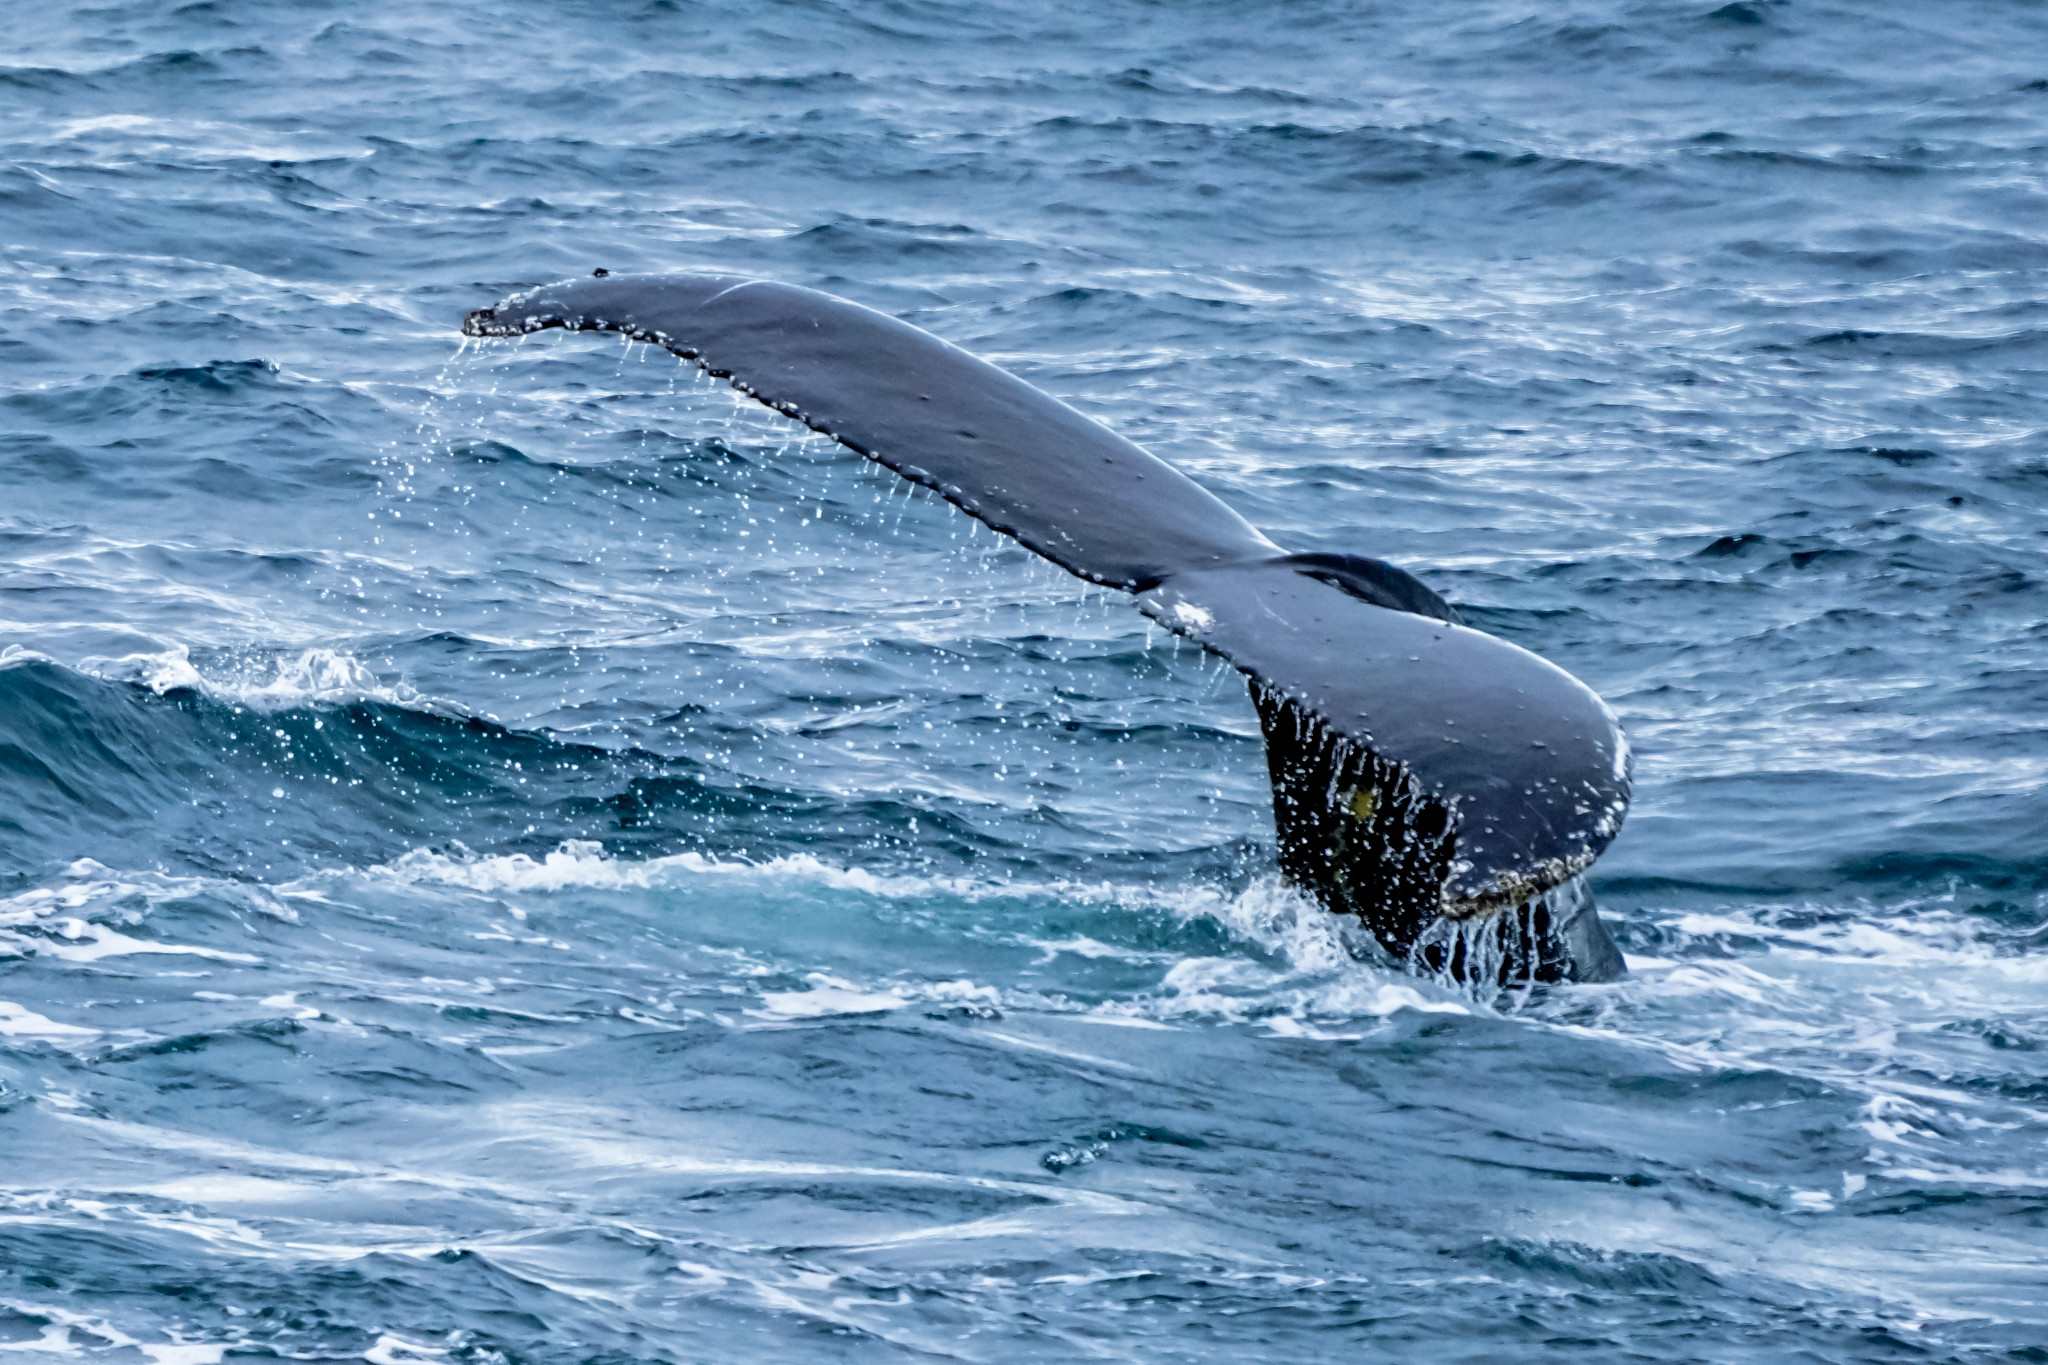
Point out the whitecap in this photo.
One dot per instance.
(78, 940)
(17, 1021)
(828, 996)
(319, 676)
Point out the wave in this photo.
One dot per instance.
(311, 762)
(1257, 952)
(1143, 954)
(313, 677)
(1738, 992)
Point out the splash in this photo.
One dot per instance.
(322, 677)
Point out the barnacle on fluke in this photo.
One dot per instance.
(1444, 786)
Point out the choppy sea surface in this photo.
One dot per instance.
(507, 854)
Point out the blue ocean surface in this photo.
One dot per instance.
(511, 854)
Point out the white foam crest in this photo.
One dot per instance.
(78, 940)
(1866, 1004)
(1894, 955)
(68, 919)
(311, 677)
(89, 889)
(184, 1352)
(1915, 967)
(1313, 970)
(1318, 976)
(390, 1349)
(1306, 982)
(15, 656)
(1289, 1003)
(828, 996)
(18, 1021)
(138, 134)
(1205, 991)
(2004, 1180)
(58, 1325)
(1932, 935)
(583, 864)
(1080, 945)
(57, 1340)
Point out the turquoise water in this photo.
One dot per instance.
(507, 854)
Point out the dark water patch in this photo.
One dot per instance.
(42, 460)
(276, 1032)
(1075, 297)
(1905, 458)
(1735, 546)
(1953, 1204)
(1926, 861)
(220, 377)
(265, 404)
(1933, 838)
(262, 1065)
(1860, 344)
(44, 80)
(2002, 1035)
(1738, 15)
(880, 238)
(1571, 1264)
(160, 70)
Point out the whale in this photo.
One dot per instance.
(1445, 788)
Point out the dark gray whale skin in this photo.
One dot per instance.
(1444, 786)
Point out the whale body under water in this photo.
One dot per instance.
(1446, 787)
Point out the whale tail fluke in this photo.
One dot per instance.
(1444, 786)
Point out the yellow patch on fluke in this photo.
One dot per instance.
(1362, 804)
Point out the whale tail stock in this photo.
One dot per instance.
(1444, 786)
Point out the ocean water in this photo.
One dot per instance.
(508, 854)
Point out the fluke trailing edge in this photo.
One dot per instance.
(1444, 786)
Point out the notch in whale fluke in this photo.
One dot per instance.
(1446, 787)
